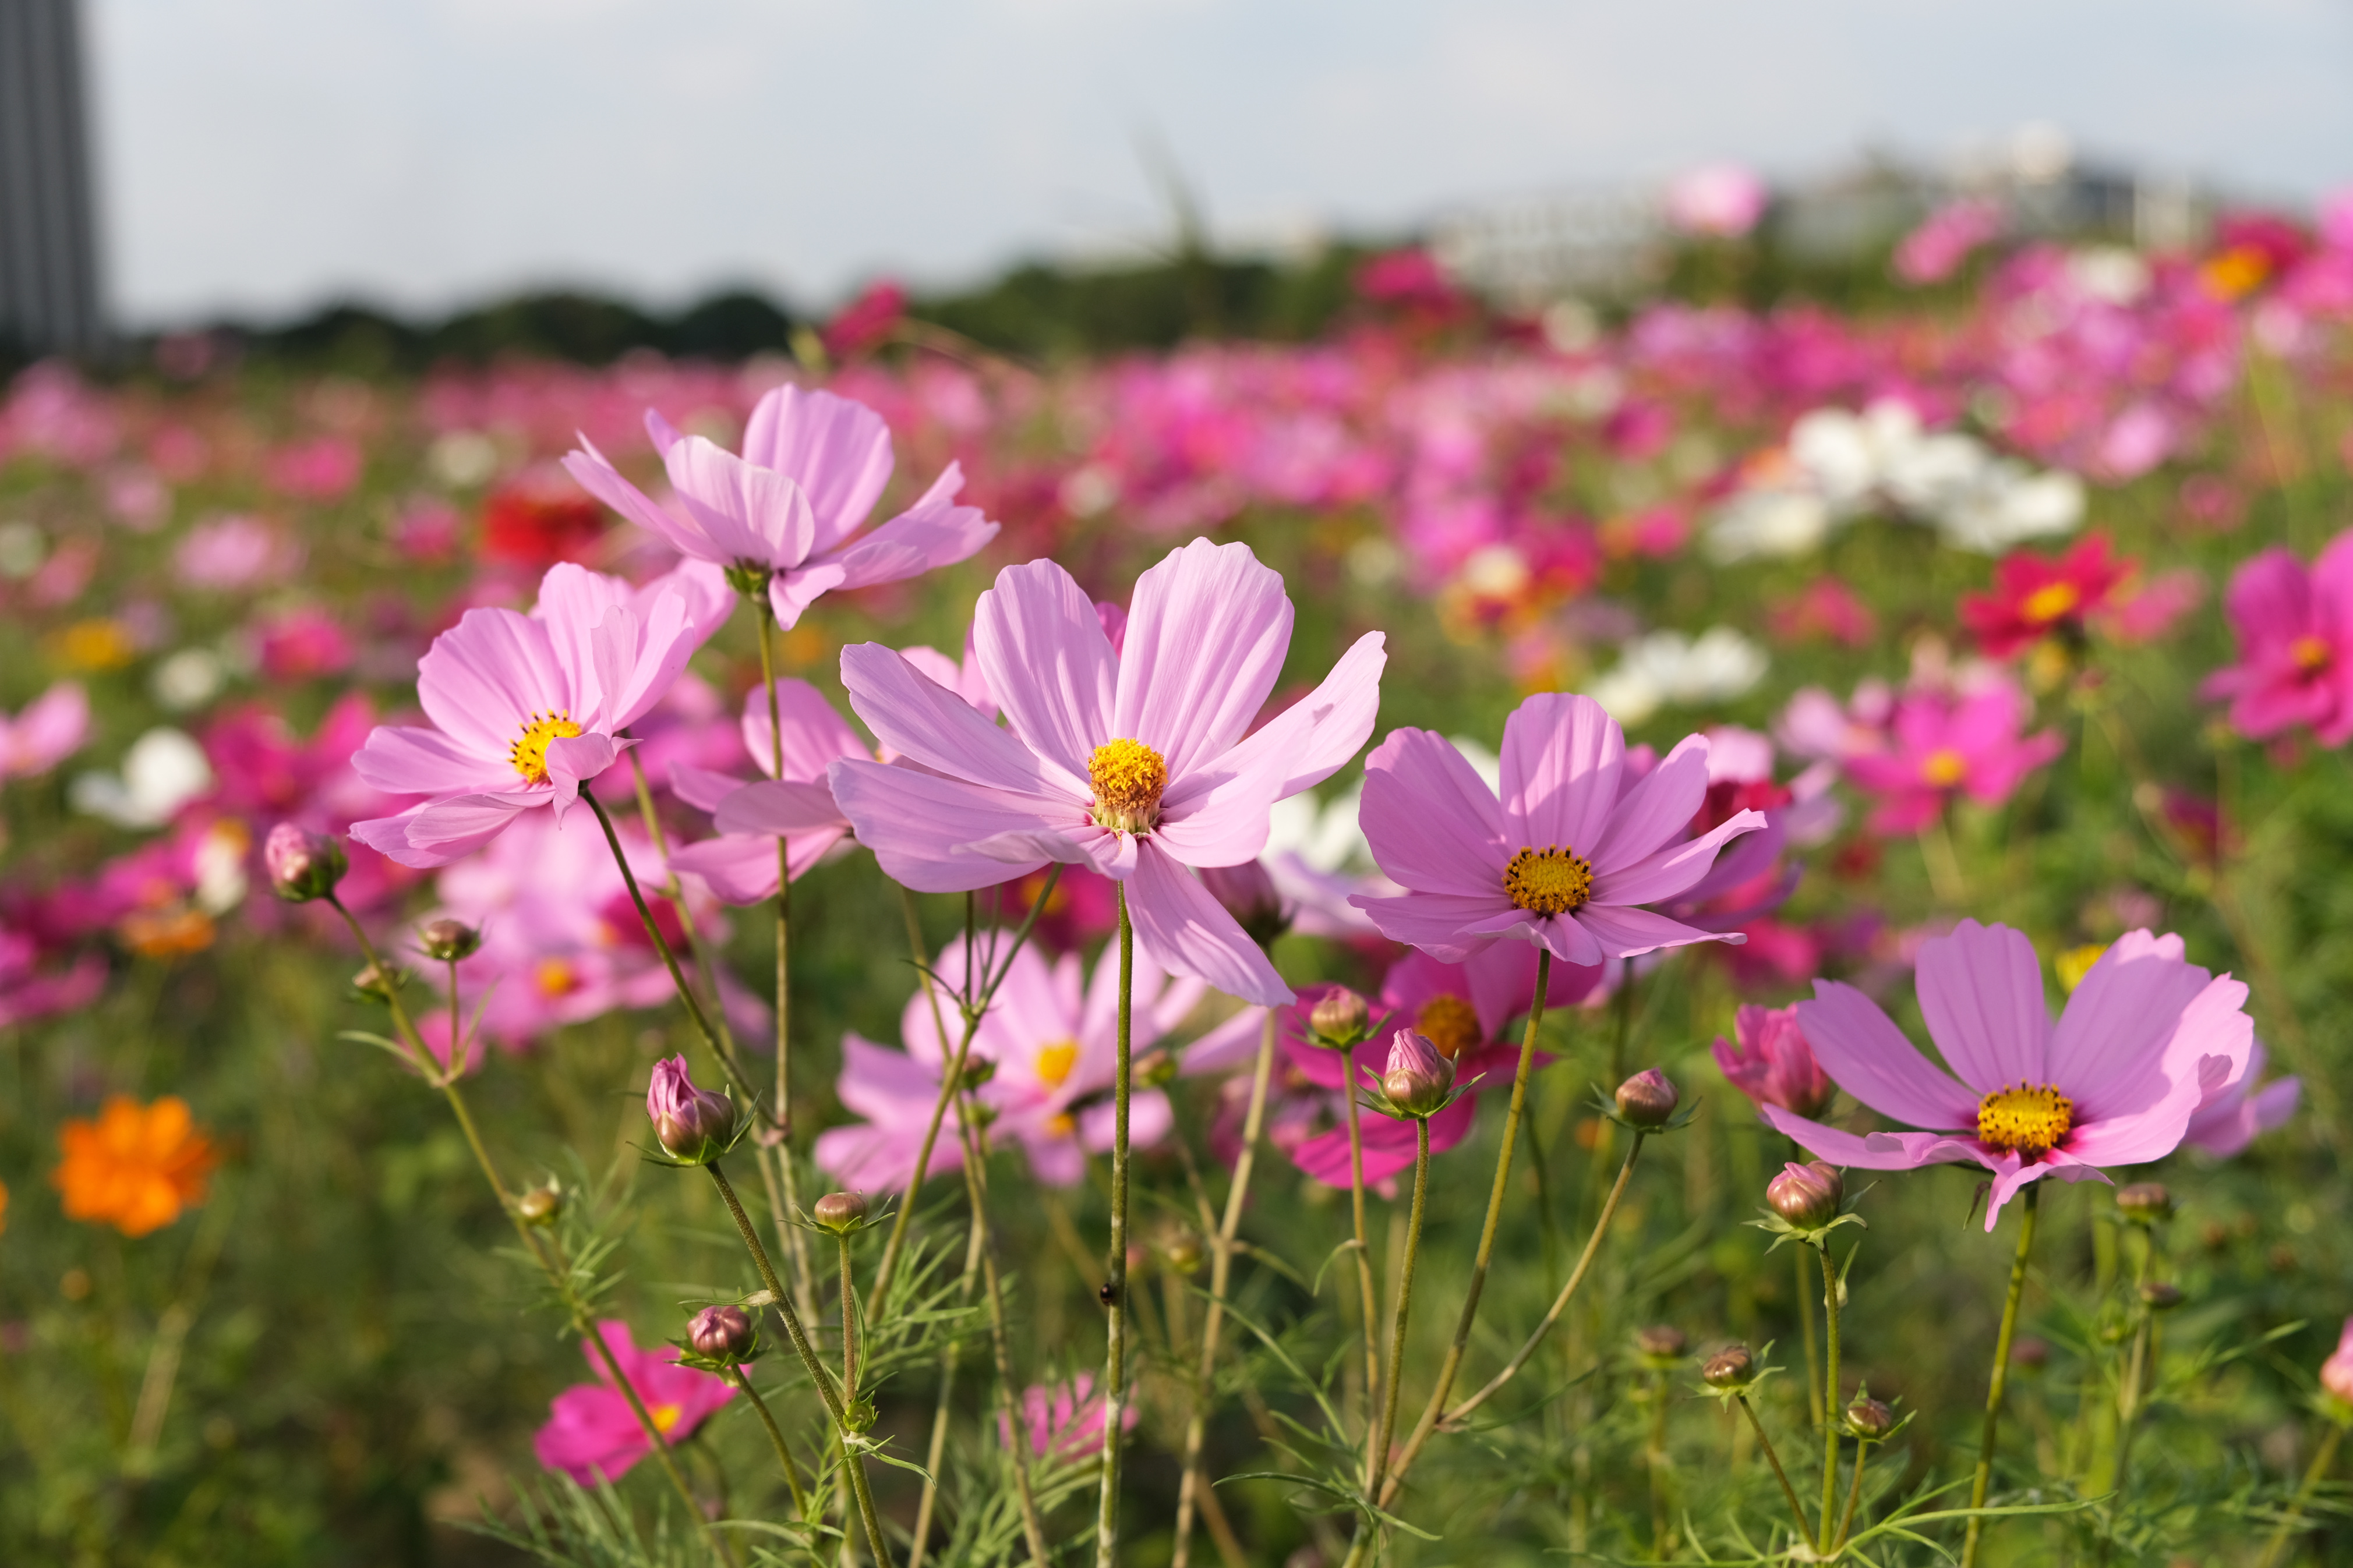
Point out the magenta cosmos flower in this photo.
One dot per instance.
(1132, 762)
(2144, 1041)
(526, 709)
(1771, 1063)
(1566, 856)
(592, 1434)
(792, 505)
(2296, 645)
(1943, 744)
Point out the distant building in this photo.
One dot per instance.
(48, 226)
(1526, 252)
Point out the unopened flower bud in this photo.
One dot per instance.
(2145, 1203)
(694, 1124)
(1730, 1368)
(1339, 1018)
(858, 1416)
(542, 1204)
(721, 1333)
(1248, 894)
(1647, 1099)
(2031, 1352)
(375, 983)
(1155, 1069)
(2336, 1372)
(1869, 1419)
(1806, 1196)
(1417, 1076)
(448, 941)
(1660, 1342)
(302, 865)
(977, 1071)
(1181, 1245)
(2159, 1296)
(839, 1213)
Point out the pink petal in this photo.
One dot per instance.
(1222, 820)
(1387, 1144)
(442, 831)
(1653, 812)
(920, 825)
(1316, 735)
(1044, 655)
(1871, 1150)
(1562, 757)
(484, 678)
(1206, 636)
(837, 450)
(1187, 932)
(1981, 997)
(1437, 923)
(793, 590)
(701, 788)
(1868, 1055)
(1675, 869)
(751, 513)
(934, 532)
(2107, 1050)
(594, 474)
(1623, 933)
(1431, 820)
(921, 721)
(766, 806)
(738, 871)
(401, 760)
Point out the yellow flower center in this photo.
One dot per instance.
(1449, 1023)
(2049, 602)
(1128, 776)
(2311, 653)
(529, 752)
(554, 978)
(1055, 1062)
(2030, 1119)
(1944, 767)
(1062, 1125)
(665, 1417)
(1548, 881)
(2076, 962)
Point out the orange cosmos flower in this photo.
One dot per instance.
(135, 1167)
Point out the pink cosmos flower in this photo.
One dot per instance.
(792, 505)
(2238, 1112)
(1053, 1034)
(1936, 249)
(2296, 645)
(1132, 761)
(740, 865)
(1564, 860)
(592, 1435)
(231, 553)
(1942, 744)
(1065, 1421)
(51, 728)
(2144, 1041)
(2335, 1372)
(1772, 1064)
(1720, 200)
(526, 709)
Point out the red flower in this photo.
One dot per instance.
(536, 525)
(2034, 596)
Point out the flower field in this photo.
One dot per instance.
(1689, 933)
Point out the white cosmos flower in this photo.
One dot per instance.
(1667, 668)
(164, 771)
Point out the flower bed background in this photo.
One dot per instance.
(257, 1306)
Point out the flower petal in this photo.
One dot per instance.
(1869, 1150)
(593, 473)
(484, 678)
(1861, 1049)
(837, 450)
(1653, 812)
(1624, 933)
(921, 719)
(1206, 633)
(1677, 868)
(1981, 997)
(922, 826)
(934, 532)
(1562, 759)
(766, 806)
(1042, 650)
(1316, 735)
(1187, 932)
(1431, 820)
(399, 759)
(751, 513)
(815, 731)
(2107, 1050)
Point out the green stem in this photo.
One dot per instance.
(1797, 1510)
(1655, 1461)
(1367, 1292)
(1983, 1483)
(1560, 1303)
(849, 1325)
(1814, 1343)
(706, 969)
(776, 1437)
(1854, 1493)
(1221, 1265)
(942, 1408)
(1453, 1365)
(2325, 1456)
(1379, 1453)
(764, 619)
(783, 1304)
(975, 1008)
(976, 1167)
(1830, 1397)
(1114, 1390)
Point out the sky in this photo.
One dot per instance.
(262, 157)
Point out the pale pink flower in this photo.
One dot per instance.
(1936, 249)
(1133, 762)
(1717, 201)
(527, 709)
(230, 552)
(740, 865)
(2145, 1040)
(51, 728)
(1564, 860)
(813, 467)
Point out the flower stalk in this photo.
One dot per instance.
(1114, 1290)
(1983, 1481)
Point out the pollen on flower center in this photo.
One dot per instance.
(1128, 777)
(2029, 1119)
(1055, 1062)
(2311, 654)
(1551, 880)
(1449, 1023)
(2050, 601)
(1944, 767)
(665, 1416)
(529, 752)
